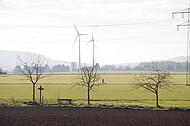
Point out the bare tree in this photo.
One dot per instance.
(89, 78)
(154, 81)
(33, 67)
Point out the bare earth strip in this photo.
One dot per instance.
(57, 116)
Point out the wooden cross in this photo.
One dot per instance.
(40, 88)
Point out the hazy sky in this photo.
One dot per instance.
(125, 31)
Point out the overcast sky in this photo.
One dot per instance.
(125, 31)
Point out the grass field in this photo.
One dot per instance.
(117, 91)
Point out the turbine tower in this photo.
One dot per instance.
(187, 24)
(78, 36)
(92, 40)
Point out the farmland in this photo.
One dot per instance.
(116, 91)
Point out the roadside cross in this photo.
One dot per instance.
(40, 88)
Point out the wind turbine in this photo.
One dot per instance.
(92, 40)
(78, 36)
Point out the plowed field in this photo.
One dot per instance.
(65, 116)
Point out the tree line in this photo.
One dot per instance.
(145, 66)
(165, 65)
(56, 68)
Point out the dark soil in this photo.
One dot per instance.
(65, 116)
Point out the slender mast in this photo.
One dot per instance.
(93, 52)
(188, 48)
(79, 55)
(187, 24)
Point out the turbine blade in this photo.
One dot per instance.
(95, 46)
(76, 28)
(83, 34)
(93, 33)
(89, 41)
(75, 40)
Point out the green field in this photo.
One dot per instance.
(117, 91)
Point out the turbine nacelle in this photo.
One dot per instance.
(92, 39)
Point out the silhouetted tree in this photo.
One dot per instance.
(128, 68)
(97, 66)
(47, 68)
(121, 68)
(108, 68)
(67, 68)
(73, 66)
(60, 68)
(1, 71)
(33, 67)
(16, 70)
(89, 78)
(154, 81)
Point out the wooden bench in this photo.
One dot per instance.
(60, 101)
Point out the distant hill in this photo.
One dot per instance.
(8, 59)
(178, 59)
(175, 59)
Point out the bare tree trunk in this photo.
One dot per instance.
(88, 96)
(34, 92)
(157, 97)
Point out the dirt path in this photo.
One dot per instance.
(57, 116)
